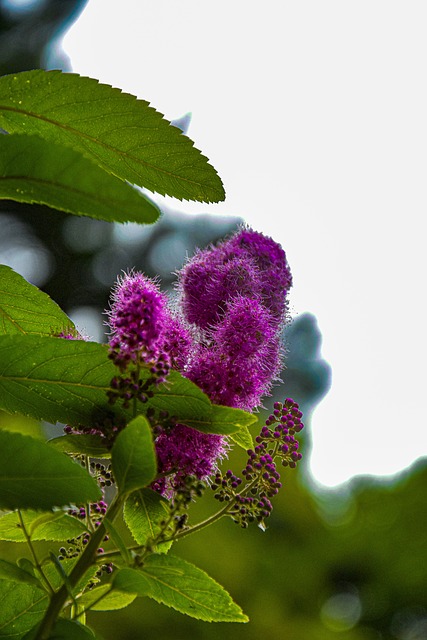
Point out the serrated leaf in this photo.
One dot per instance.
(123, 135)
(39, 171)
(143, 511)
(91, 445)
(59, 526)
(21, 608)
(27, 310)
(133, 457)
(13, 573)
(67, 381)
(104, 598)
(33, 475)
(182, 586)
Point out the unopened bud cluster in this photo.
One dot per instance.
(249, 500)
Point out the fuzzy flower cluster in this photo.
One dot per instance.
(223, 334)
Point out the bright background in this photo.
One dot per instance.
(314, 114)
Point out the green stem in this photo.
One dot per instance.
(86, 560)
(33, 553)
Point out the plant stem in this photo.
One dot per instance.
(86, 560)
(33, 553)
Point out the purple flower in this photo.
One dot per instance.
(137, 317)
(186, 452)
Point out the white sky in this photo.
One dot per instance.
(315, 116)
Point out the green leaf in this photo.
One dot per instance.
(117, 539)
(125, 136)
(243, 438)
(133, 456)
(36, 170)
(143, 511)
(67, 381)
(182, 586)
(104, 598)
(65, 630)
(55, 526)
(92, 445)
(21, 608)
(13, 573)
(33, 475)
(25, 309)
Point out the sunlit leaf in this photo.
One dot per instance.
(25, 309)
(125, 136)
(182, 586)
(55, 525)
(143, 512)
(13, 573)
(22, 607)
(104, 598)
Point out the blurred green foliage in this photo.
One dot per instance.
(346, 565)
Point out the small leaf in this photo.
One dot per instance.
(33, 475)
(38, 171)
(92, 445)
(105, 599)
(143, 511)
(125, 136)
(243, 438)
(182, 586)
(21, 608)
(55, 526)
(133, 457)
(13, 573)
(25, 309)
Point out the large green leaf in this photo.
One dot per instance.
(67, 381)
(27, 310)
(123, 135)
(34, 475)
(21, 607)
(54, 526)
(36, 170)
(133, 457)
(182, 586)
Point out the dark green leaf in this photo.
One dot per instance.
(55, 526)
(65, 630)
(104, 598)
(133, 456)
(67, 381)
(91, 445)
(34, 475)
(36, 170)
(21, 608)
(25, 309)
(125, 136)
(143, 511)
(182, 586)
(13, 573)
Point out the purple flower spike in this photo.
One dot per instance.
(137, 316)
(186, 452)
(270, 259)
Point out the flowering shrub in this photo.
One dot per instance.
(151, 416)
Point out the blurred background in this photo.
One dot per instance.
(340, 560)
